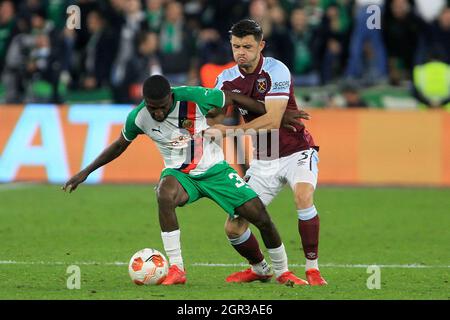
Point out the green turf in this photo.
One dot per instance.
(105, 224)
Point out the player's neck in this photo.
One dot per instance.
(250, 69)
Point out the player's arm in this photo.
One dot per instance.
(289, 118)
(245, 102)
(275, 109)
(216, 115)
(276, 102)
(111, 152)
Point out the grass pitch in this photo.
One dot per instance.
(44, 230)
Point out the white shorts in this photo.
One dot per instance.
(267, 177)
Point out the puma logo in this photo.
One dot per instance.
(157, 130)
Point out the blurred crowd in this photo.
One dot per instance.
(121, 42)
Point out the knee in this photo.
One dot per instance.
(166, 196)
(304, 195)
(235, 228)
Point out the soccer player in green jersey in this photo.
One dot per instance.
(194, 168)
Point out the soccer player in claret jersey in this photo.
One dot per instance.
(194, 168)
(269, 80)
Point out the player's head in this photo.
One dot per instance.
(157, 97)
(247, 43)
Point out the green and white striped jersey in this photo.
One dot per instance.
(174, 136)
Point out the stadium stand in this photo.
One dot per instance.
(325, 43)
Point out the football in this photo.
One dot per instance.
(148, 266)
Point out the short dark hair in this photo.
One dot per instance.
(245, 28)
(156, 87)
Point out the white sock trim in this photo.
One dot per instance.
(242, 238)
(312, 264)
(307, 214)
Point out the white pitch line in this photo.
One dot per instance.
(58, 263)
(213, 265)
(335, 265)
(16, 186)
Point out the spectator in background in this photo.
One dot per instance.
(99, 53)
(278, 44)
(212, 51)
(82, 34)
(345, 12)
(8, 28)
(56, 12)
(439, 34)
(401, 30)
(431, 82)
(144, 64)
(302, 39)
(154, 13)
(429, 10)
(259, 12)
(331, 44)
(44, 63)
(135, 22)
(113, 11)
(314, 11)
(367, 55)
(219, 15)
(33, 63)
(177, 48)
(349, 97)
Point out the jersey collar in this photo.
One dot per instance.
(257, 69)
(174, 103)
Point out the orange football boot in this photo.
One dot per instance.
(290, 279)
(315, 278)
(247, 275)
(175, 276)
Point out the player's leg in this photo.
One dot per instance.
(236, 197)
(255, 212)
(302, 173)
(171, 194)
(245, 243)
(240, 235)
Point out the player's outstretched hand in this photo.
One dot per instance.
(293, 117)
(73, 182)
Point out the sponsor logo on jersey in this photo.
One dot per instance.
(281, 85)
(236, 90)
(261, 85)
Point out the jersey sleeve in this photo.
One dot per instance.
(130, 129)
(280, 77)
(219, 82)
(205, 98)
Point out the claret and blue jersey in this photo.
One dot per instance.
(270, 80)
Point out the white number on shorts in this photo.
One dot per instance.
(239, 182)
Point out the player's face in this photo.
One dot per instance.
(246, 51)
(159, 109)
